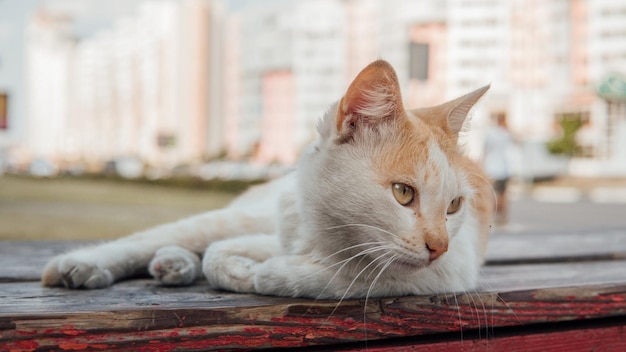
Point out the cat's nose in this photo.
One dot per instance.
(436, 250)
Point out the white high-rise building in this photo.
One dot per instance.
(49, 54)
(183, 80)
(291, 60)
(148, 88)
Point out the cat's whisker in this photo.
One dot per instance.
(486, 287)
(385, 265)
(475, 296)
(487, 323)
(345, 262)
(354, 280)
(458, 310)
(363, 225)
(475, 312)
(349, 248)
(448, 276)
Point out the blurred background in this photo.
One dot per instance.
(210, 95)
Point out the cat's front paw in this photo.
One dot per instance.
(231, 264)
(232, 272)
(295, 276)
(272, 278)
(75, 272)
(175, 266)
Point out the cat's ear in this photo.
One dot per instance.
(372, 98)
(458, 109)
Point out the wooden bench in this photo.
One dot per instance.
(540, 292)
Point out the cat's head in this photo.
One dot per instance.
(384, 180)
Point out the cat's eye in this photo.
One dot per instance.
(455, 205)
(403, 193)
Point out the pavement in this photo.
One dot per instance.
(567, 205)
(571, 190)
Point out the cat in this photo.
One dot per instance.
(383, 204)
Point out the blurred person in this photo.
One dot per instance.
(498, 142)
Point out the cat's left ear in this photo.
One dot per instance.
(372, 98)
(458, 109)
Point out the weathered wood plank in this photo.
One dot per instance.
(519, 288)
(30, 297)
(532, 276)
(271, 322)
(23, 261)
(515, 248)
(589, 338)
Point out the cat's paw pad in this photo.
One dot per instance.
(75, 273)
(233, 272)
(175, 266)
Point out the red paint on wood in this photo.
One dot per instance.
(73, 332)
(23, 346)
(69, 346)
(597, 340)
(300, 325)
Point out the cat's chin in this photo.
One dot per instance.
(411, 263)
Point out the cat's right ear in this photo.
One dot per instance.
(372, 98)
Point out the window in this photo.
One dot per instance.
(419, 61)
(166, 140)
(4, 111)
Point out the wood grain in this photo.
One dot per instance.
(256, 321)
(515, 248)
(533, 286)
(589, 338)
(24, 260)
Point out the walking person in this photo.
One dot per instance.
(498, 142)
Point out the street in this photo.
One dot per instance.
(529, 215)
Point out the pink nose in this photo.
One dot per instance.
(435, 251)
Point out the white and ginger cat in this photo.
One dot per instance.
(383, 204)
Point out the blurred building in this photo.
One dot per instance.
(147, 89)
(599, 73)
(291, 67)
(49, 54)
(187, 80)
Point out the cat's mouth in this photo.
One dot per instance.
(411, 262)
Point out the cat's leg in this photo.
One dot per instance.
(99, 266)
(231, 264)
(299, 276)
(175, 266)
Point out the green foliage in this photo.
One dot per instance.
(566, 143)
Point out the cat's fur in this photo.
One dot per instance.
(335, 227)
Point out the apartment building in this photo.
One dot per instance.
(49, 53)
(291, 67)
(605, 53)
(148, 88)
(185, 80)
